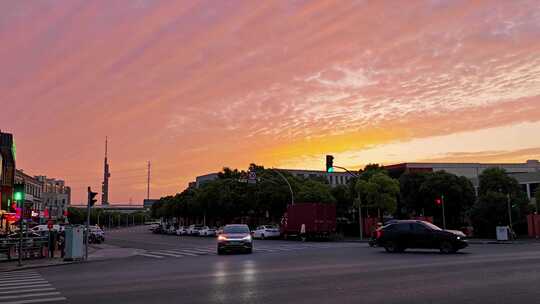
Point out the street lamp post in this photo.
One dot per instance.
(287, 181)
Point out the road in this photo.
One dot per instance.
(298, 273)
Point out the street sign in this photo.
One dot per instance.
(252, 177)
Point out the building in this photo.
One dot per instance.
(527, 174)
(333, 178)
(56, 196)
(147, 203)
(7, 170)
(33, 190)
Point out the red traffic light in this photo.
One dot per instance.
(438, 201)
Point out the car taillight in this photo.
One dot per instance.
(378, 233)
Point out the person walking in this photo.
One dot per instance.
(62, 243)
(52, 243)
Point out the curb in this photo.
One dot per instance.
(42, 266)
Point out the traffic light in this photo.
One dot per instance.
(438, 202)
(18, 192)
(91, 197)
(329, 163)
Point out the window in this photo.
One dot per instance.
(402, 227)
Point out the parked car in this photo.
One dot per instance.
(45, 228)
(207, 231)
(268, 231)
(171, 229)
(400, 235)
(157, 230)
(235, 238)
(194, 229)
(182, 230)
(154, 226)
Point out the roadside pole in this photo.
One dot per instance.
(91, 201)
(509, 212)
(87, 230)
(20, 237)
(443, 215)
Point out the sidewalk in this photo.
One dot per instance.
(95, 253)
(12, 265)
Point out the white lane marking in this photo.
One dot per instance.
(188, 253)
(200, 250)
(166, 254)
(36, 300)
(2, 277)
(150, 255)
(33, 290)
(54, 293)
(22, 287)
(20, 279)
(41, 281)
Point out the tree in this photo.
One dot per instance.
(496, 190)
(379, 191)
(458, 194)
(411, 198)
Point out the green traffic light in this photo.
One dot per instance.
(331, 169)
(18, 196)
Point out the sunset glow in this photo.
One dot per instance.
(194, 86)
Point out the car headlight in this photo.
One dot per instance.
(247, 238)
(222, 238)
(458, 238)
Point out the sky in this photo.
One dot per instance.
(193, 86)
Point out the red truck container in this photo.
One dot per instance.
(319, 220)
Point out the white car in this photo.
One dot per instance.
(263, 232)
(194, 229)
(182, 230)
(45, 228)
(207, 231)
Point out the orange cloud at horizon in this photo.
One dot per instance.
(195, 86)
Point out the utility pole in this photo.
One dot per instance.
(148, 183)
(106, 175)
(443, 216)
(509, 212)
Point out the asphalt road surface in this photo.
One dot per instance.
(299, 273)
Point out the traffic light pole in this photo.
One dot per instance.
(20, 235)
(87, 231)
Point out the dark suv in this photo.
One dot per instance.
(400, 235)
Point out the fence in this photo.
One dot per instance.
(33, 247)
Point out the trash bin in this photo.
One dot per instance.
(502, 233)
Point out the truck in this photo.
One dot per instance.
(309, 220)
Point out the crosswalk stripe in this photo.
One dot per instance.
(166, 254)
(20, 279)
(195, 252)
(150, 255)
(22, 287)
(41, 281)
(36, 300)
(17, 276)
(54, 293)
(33, 290)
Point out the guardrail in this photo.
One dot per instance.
(33, 247)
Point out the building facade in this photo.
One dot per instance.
(527, 174)
(33, 189)
(7, 170)
(56, 196)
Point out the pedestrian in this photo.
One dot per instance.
(62, 243)
(52, 243)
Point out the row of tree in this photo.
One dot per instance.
(105, 218)
(230, 197)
